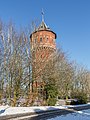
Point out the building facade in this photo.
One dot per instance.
(43, 44)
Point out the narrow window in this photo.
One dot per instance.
(41, 56)
(46, 38)
(40, 39)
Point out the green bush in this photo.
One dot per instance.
(51, 94)
(51, 101)
(80, 96)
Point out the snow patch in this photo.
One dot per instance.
(7, 110)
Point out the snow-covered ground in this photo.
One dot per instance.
(79, 115)
(7, 110)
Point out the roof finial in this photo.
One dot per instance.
(42, 15)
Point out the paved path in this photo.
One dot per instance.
(44, 115)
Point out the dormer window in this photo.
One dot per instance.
(41, 26)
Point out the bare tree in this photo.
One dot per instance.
(15, 67)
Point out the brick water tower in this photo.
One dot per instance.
(43, 44)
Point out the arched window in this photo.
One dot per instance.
(47, 38)
(41, 56)
(40, 39)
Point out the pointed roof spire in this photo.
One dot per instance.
(42, 15)
(42, 26)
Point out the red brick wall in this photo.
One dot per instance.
(41, 50)
(48, 39)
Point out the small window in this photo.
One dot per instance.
(41, 56)
(40, 39)
(47, 38)
(41, 26)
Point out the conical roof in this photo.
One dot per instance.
(42, 26)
